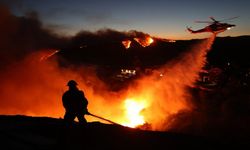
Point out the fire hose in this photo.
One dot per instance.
(112, 122)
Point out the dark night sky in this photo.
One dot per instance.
(162, 18)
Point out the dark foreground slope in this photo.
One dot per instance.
(22, 132)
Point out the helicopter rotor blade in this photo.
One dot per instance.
(203, 22)
(212, 18)
(229, 18)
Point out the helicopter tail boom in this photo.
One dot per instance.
(197, 31)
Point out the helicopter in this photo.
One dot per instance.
(214, 26)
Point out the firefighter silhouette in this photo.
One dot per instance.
(75, 103)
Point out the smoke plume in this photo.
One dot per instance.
(23, 35)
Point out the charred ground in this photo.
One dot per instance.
(24, 132)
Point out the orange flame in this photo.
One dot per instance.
(133, 109)
(146, 41)
(126, 44)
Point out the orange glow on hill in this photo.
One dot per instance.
(145, 41)
(126, 44)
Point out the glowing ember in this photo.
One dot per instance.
(45, 57)
(144, 41)
(133, 110)
(126, 44)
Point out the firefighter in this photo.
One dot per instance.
(75, 103)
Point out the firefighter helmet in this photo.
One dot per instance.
(72, 83)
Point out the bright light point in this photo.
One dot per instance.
(133, 109)
(228, 28)
(150, 40)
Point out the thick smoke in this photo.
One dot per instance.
(23, 42)
(35, 87)
(23, 35)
